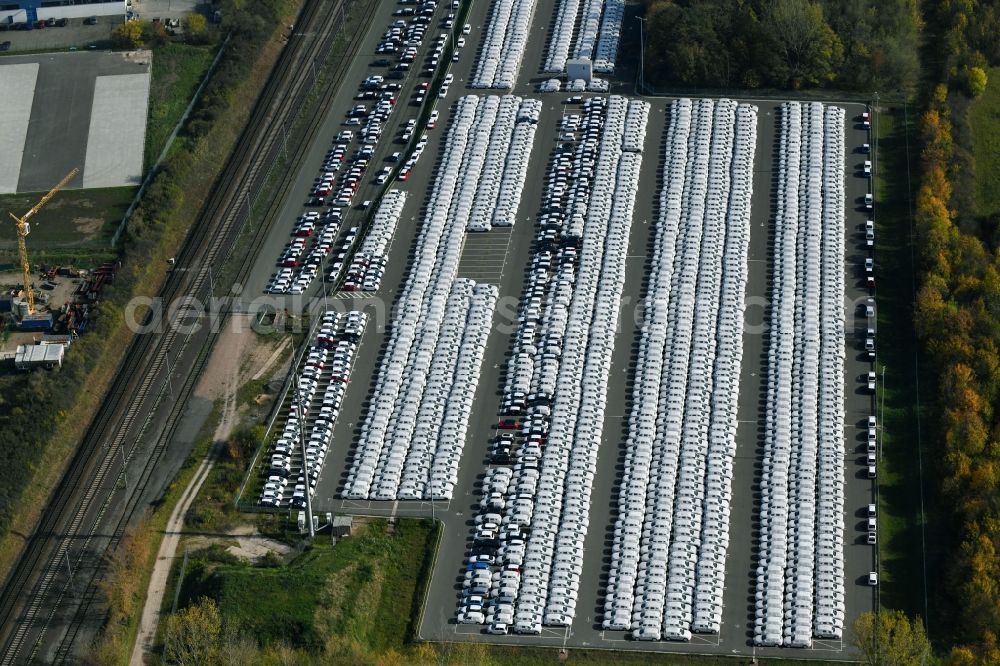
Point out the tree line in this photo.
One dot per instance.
(957, 318)
(786, 44)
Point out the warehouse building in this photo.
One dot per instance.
(30, 11)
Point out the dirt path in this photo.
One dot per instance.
(172, 536)
(221, 381)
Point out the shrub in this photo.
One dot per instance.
(127, 35)
(196, 29)
(975, 81)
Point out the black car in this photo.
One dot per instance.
(500, 454)
(5, 46)
(484, 548)
(381, 62)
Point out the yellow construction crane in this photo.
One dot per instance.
(22, 234)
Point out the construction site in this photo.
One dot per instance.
(43, 309)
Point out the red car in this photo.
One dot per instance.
(509, 424)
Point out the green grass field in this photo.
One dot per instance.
(73, 218)
(984, 120)
(177, 71)
(901, 542)
(363, 591)
(356, 603)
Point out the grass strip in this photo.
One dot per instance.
(901, 542)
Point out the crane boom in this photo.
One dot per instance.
(22, 235)
(44, 200)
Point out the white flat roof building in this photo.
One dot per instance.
(28, 357)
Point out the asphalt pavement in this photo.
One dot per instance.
(500, 257)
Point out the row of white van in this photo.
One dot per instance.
(800, 572)
(409, 456)
(503, 44)
(671, 533)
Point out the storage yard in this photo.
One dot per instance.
(610, 417)
(64, 298)
(621, 347)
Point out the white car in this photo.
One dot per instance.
(471, 617)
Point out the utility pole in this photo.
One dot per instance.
(249, 211)
(121, 449)
(305, 464)
(322, 280)
(170, 372)
(642, 55)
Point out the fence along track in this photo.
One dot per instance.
(273, 104)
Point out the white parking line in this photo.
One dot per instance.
(487, 269)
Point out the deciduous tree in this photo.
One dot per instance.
(127, 35)
(191, 635)
(890, 639)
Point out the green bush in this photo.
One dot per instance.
(975, 81)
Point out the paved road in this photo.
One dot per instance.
(500, 257)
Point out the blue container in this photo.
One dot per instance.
(36, 322)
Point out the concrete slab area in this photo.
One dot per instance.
(56, 137)
(18, 84)
(117, 131)
(148, 10)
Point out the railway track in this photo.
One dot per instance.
(31, 600)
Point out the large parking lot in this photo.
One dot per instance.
(601, 462)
